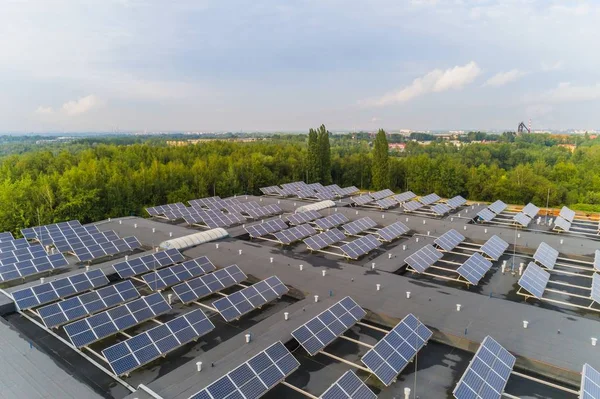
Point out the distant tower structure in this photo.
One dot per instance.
(529, 125)
(523, 128)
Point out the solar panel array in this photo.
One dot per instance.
(474, 268)
(200, 287)
(392, 231)
(348, 386)
(590, 383)
(6, 236)
(360, 246)
(102, 325)
(32, 233)
(487, 374)
(267, 227)
(567, 214)
(362, 199)
(55, 234)
(294, 234)
(403, 197)
(382, 194)
(348, 191)
(358, 226)
(107, 248)
(545, 255)
(19, 255)
(597, 260)
(32, 266)
(325, 239)
(497, 207)
(429, 199)
(141, 349)
(214, 218)
(161, 209)
(323, 329)
(9, 246)
(254, 378)
(531, 210)
(423, 258)
(74, 308)
(169, 276)
(394, 351)
(456, 202)
(534, 280)
(386, 203)
(246, 300)
(303, 217)
(522, 219)
(412, 206)
(331, 221)
(207, 202)
(562, 223)
(486, 215)
(47, 292)
(595, 295)
(449, 240)
(441, 209)
(69, 244)
(146, 263)
(494, 247)
(271, 190)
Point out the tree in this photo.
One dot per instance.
(313, 163)
(380, 168)
(324, 155)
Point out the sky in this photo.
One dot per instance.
(267, 65)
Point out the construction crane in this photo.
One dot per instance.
(522, 128)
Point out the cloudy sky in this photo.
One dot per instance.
(90, 65)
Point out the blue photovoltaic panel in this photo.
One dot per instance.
(146, 263)
(169, 276)
(294, 234)
(497, 207)
(348, 191)
(32, 233)
(567, 214)
(322, 330)
(360, 246)
(487, 374)
(6, 236)
(362, 199)
(545, 255)
(271, 190)
(48, 292)
(200, 287)
(246, 300)
(324, 239)
(596, 287)
(9, 246)
(110, 322)
(412, 206)
(486, 215)
(303, 217)
(161, 209)
(531, 210)
(590, 383)
(474, 268)
(358, 226)
(441, 209)
(141, 349)
(331, 221)
(18, 255)
(254, 378)
(494, 247)
(393, 231)
(449, 240)
(522, 219)
(423, 258)
(69, 244)
(382, 194)
(32, 266)
(403, 197)
(204, 202)
(534, 280)
(348, 386)
(108, 248)
(456, 202)
(429, 199)
(267, 227)
(392, 354)
(386, 203)
(74, 308)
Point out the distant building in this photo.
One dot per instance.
(397, 147)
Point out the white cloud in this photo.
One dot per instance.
(434, 82)
(502, 78)
(82, 105)
(556, 66)
(566, 93)
(41, 110)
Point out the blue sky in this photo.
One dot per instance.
(88, 65)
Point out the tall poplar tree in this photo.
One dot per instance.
(380, 168)
(324, 155)
(313, 162)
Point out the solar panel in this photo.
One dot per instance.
(216, 218)
(141, 349)
(294, 234)
(393, 231)
(246, 300)
(52, 234)
(348, 386)
(254, 378)
(267, 227)
(595, 295)
(497, 207)
(412, 206)
(271, 190)
(358, 226)
(487, 374)
(325, 239)
(386, 203)
(531, 210)
(32, 233)
(545, 255)
(597, 260)
(9, 246)
(273, 209)
(393, 352)
(348, 191)
(331, 221)
(19, 255)
(69, 244)
(486, 215)
(449, 240)
(200, 287)
(294, 185)
(534, 280)
(406, 196)
(522, 219)
(303, 217)
(567, 214)
(204, 202)
(562, 223)
(382, 194)
(6, 236)
(161, 209)
(456, 202)
(494, 247)
(102, 325)
(360, 246)
(323, 329)
(429, 199)
(169, 276)
(146, 263)
(74, 308)
(106, 249)
(423, 258)
(590, 383)
(47, 292)
(362, 199)
(474, 268)
(32, 266)
(441, 209)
